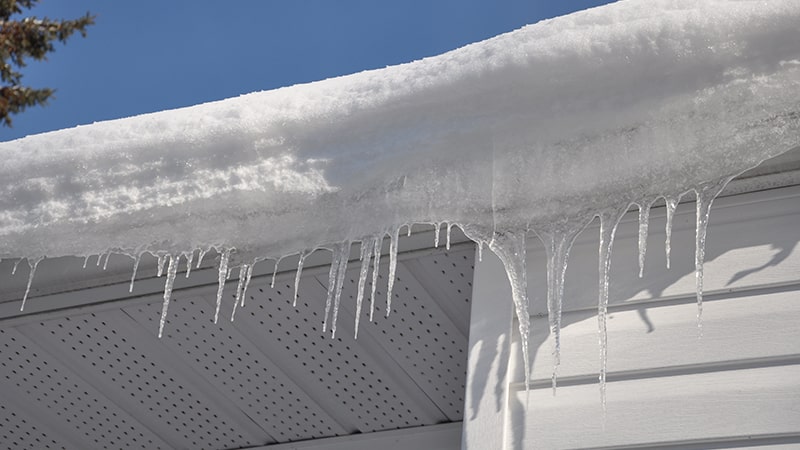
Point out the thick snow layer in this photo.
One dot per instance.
(537, 130)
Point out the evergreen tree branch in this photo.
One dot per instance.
(28, 38)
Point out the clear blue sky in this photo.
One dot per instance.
(147, 55)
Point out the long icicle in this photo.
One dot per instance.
(33, 265)
(672, 204)
(376, 261)
(331, 284)
(135, 268)
(393, 242)
(510, 247)
(341, 271)
(558, 240)
(706, 194)
(222, 275)
(609, 220)
(297, 276)
(172, 272)
(644, 223)
(366, 256)
(436, 232)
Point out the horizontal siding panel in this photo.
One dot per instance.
(654, 338)
(737, 386)
(686, 408)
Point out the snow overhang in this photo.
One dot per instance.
(566, 117)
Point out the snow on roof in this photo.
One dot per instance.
(534, 130)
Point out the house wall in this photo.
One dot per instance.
(737, 385)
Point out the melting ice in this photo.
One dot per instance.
(531, 133)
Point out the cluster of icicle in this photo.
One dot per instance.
(509, 245)
(558, 238)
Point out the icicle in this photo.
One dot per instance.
(509, 246)
(16, 264)
(449, 227)
(300, 263)
(223, 271)
(558, 239)
(161, 260)
(340, 276)
(135, 268)
(241, 288)
(644, 222)
(32, 266)
(85, 261)
(248, 276)
(341, 252)
(480, 251)
(436, 230)
(609, 220)
(408, 229)
(393, 241)
(376, 261)
(105, 263)
(200, 257)
(672, 204)
(172, 272)
(275, 272)
(331, 285)
(189, 258)
(366, 255)
(706, 194)
(99, 257)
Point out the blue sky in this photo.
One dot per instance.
(147, 55)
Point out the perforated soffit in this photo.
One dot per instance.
(98, 377)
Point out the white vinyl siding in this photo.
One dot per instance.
(736, 386)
